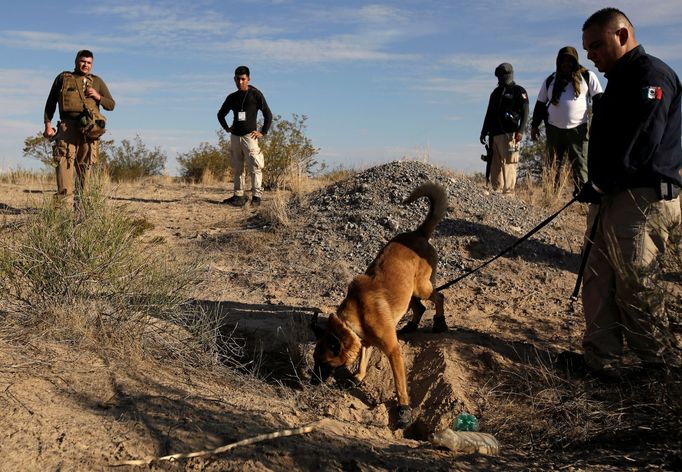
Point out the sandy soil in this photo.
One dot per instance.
(67, 408)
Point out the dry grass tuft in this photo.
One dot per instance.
(552, 188)
(275, 212)
(84, 277)
(540, 409)
(26, 177)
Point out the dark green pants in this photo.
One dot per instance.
(568, 144)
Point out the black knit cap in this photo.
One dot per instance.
(504, 70)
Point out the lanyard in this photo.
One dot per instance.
(244, 99)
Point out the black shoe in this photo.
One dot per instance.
(439, 325)
(255, 202)
(236, 200)
(410, 327)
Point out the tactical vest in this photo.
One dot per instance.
(70, 98)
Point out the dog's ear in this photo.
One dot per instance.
(318, 330)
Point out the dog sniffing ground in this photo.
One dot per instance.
(68, 408)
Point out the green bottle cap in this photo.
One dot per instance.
(465, 422)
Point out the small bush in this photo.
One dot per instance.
(86, 277)
(289, 153)
(207, 161)
(40, 148)
(132, 160)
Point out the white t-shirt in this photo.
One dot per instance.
(571, 111)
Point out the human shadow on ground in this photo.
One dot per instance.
(145, 200)
(492, 241)
(175, 418)
(267, 340)
(29, 190)
(10, 210)
(193, 410)
(519, 352)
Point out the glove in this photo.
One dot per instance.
(483, 139)
(588, 194)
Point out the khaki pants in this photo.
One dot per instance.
(246, 149)
(503, 165)
(73, 152)
(618, 300)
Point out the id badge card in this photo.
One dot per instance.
(241, 116)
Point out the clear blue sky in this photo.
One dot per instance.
(378, 81)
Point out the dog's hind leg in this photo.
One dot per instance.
(365, 353)
(418, 310)
(439, 325)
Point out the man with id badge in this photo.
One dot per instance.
(244, 105)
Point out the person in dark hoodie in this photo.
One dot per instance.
(505, 120)
(563, 104)
(245, 150)
(634, 165)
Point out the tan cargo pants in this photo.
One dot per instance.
(73, 152)
(504, 163)
(618, 301)
(245, 149)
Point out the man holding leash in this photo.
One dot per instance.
(75, 92)
(634, 163)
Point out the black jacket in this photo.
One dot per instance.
(507, 110)
(636, 126)
(249, 101)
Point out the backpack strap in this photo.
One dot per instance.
(549, 80)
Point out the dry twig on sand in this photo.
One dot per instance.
(262, 437)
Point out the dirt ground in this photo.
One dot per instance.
(66, 408)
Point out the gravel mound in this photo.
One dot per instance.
(351, 220)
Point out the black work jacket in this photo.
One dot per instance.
(507, 110)
(636, 126)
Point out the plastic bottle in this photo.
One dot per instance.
(466, 442)
(465, 422)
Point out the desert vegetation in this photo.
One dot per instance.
(197, 314)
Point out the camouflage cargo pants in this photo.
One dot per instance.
(618, 300)
(74, 156)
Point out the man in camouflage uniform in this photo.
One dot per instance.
(74, 92)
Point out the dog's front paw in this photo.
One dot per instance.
(404, 416)
(439, 325)
(410, 327)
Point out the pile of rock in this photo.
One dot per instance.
(352, 219)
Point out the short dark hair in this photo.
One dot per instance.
(605, 17)
(84, 53)
(242, 70)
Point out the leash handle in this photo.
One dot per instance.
(516, 243)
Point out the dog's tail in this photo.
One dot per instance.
(438, 200)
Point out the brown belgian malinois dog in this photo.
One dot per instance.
(402, 274)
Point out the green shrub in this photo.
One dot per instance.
(40, 148)
(288, 151)
(207, 159)
(132, 160)
(87, 277)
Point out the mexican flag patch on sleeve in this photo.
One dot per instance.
(652, 92)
